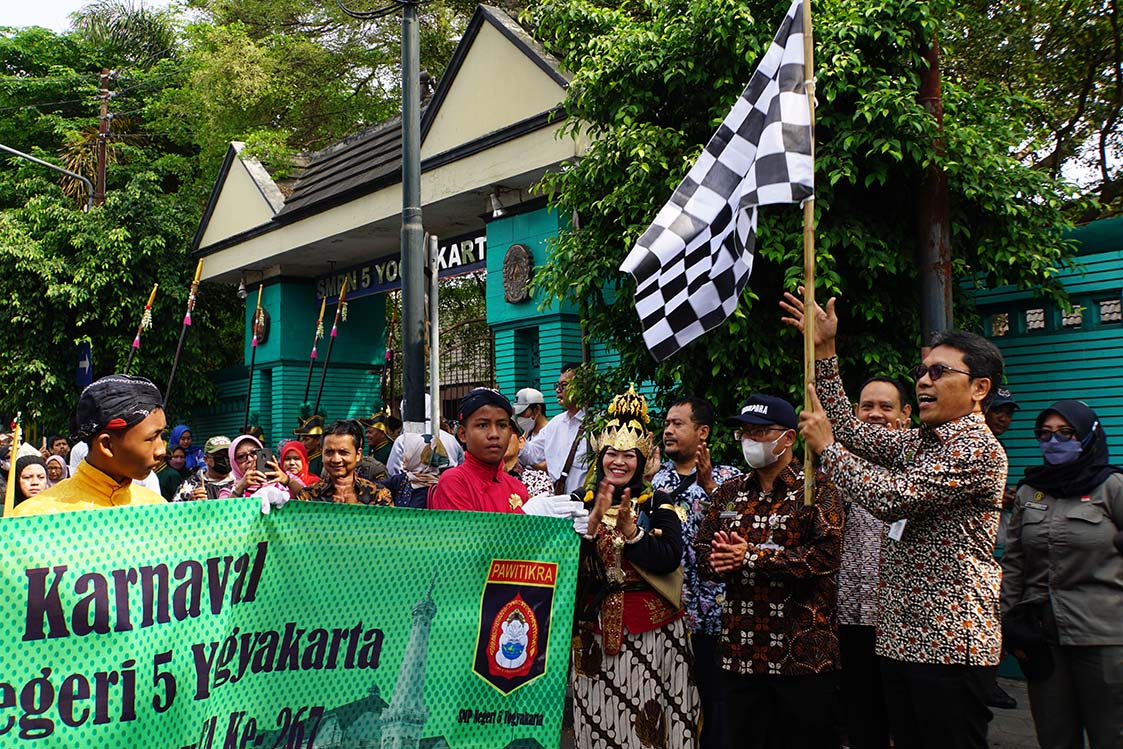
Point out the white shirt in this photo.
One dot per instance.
(82, 449)
(452, 447)
(553, 444)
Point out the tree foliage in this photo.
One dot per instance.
(1062, 63)
(651, 82)
(286, 76)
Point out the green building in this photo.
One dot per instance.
(1052, 355)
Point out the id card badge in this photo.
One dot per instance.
(897, 529)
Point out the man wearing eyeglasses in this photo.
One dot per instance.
(779, 560)
(561, 444)
(938, 625)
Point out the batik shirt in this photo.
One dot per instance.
(366, 493)
(938, 589)
(861, 562)
(779, 616)
(699, 597)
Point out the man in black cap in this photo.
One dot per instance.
(122, 420)
(998, 414)
(779, 560)
(480, 483)
(1000, 411)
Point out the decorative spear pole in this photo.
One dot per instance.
(10, 489)
(340, 313)
(253, 356)
(145, 323)
(183, 330)
(315, 339)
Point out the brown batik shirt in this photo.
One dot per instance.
(366, 493)
(778, 617)
(938, 589)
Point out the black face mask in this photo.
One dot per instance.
(222, 463)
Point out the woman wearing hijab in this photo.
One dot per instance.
(247, 479)
(294, 461)
(410, 488)
(193, 455)
(31, 477)
(57, 470)
(631, 665)
(1063, 571)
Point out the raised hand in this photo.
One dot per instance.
(826, 321)
(625, 519)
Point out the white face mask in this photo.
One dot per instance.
(526, 423)
(760, 454)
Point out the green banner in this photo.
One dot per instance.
(206, 625)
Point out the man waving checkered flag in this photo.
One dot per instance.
(694, 260)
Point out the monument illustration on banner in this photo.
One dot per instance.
(372, 722)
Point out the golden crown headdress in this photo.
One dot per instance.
(627, 425)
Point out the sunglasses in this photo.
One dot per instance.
(1064, 434)
(936, 371)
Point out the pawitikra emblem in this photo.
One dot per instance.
(514, 628)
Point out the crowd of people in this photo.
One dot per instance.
(716, 606)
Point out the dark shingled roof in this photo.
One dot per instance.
(372, 159)
(354, 166)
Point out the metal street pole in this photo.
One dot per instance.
(413, 234)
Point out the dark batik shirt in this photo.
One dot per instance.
(779, 616)
(938, 589)
(366, 493)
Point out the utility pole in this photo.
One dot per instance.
(412, 249)
(413, 233)
(102, 138)
(933, 225)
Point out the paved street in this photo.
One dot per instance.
(1013, 729)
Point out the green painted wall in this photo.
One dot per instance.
(531, 345)
(281, 364)
(1079, 360)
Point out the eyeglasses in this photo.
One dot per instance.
(755, 433)
(1064, 434)
(936, 371)
(560, 386)
(243, 457)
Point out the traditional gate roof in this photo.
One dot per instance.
(490, 126)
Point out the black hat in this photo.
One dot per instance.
(1003, 397)
(313, 426)
(115, 402)
(765, 410)
(477, 398)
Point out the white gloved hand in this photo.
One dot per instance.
(581, 522)
(557, 506)
(271, 497)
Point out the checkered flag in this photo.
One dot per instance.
(694, 260)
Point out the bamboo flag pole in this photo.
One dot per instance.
(10, 489)
(340, 311)
(183, 331)
(145, 323)
(315, 339)
(809, 256)
(253, 356)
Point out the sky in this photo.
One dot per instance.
(52, 14)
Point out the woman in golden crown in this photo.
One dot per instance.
(632, 679)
